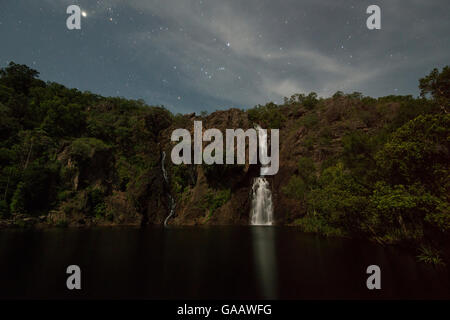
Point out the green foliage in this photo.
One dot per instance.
(430, 255)
(181, 177)
(338, 94)
(157, 119)
(214, 199)
(63, 120)
(308, 101)
(4, 210)
(180, 121)
(439, 215)
(339, 199)
(296, 188)
(357, 155)
(299, 185)
(325, 137)
(390, 183)
(355, 95)
(411, 197)
(409, 109)
(19, 77)
(56, 142)
(307, 170)
(96, 202)
(18, 200)
(309, 120)
(35, 192)
(438, 85)
(83, 149)
(397, 208)
(309, 143)
(313, 223)
(268, 114)
(419, 151)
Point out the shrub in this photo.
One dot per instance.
(309, 120)
(96, 202)
(430, 255)
(308, 101)
(270, 114)
(296, 188)
(316, 224)
(84, 148)
(215, 199)
(4, 210)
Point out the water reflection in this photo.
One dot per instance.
(208, 263)
(264, 257)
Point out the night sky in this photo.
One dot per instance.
(207, 54)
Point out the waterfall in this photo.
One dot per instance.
(171, 200)
(262, 209)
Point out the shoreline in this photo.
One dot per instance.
(37, 224)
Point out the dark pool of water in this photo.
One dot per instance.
(208, 263)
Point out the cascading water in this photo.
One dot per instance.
(262, 209)
(171, 200)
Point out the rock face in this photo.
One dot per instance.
(191, 208)
(295, 139)
(137, 193)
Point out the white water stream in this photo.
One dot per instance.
(262, 209)
(172, 201)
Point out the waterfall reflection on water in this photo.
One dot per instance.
(265, 262)
(227, 262)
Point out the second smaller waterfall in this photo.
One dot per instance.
(172, 201)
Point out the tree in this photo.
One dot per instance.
(438, 85)
(19, 77)
(300, 185)
(418, 152)
(308, 101)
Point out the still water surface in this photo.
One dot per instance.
(208, 263)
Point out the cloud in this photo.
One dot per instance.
(233, 34)
(207, 54)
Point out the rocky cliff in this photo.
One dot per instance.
(303, 133)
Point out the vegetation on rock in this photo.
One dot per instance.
(350, 165)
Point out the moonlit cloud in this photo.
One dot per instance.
(209, 54)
